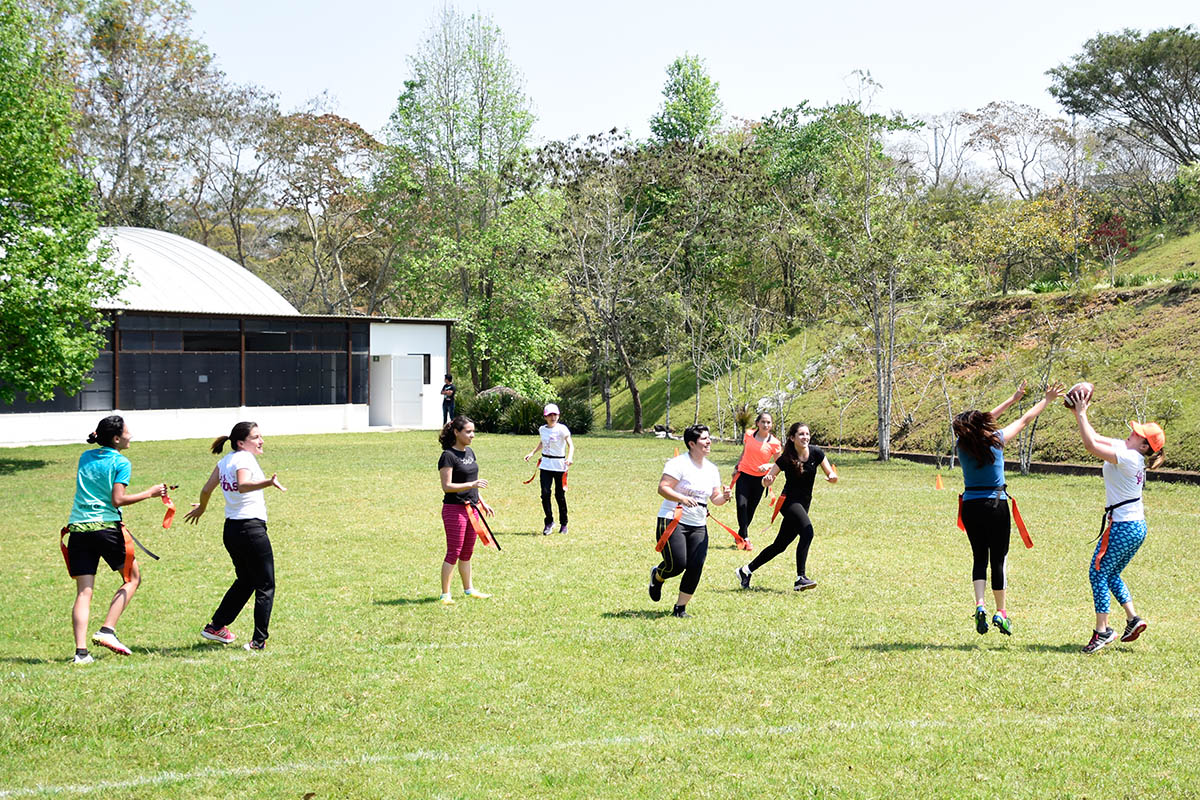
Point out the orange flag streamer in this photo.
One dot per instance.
(667, 531)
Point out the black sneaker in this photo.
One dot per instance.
(981, 623)
(655, 586)
(1133, 629)
(680, 611)
(1099, 639)
(804, 582)
(743, 575)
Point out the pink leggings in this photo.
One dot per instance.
(460, 536)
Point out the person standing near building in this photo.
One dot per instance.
(688, 484)
(96, 531)
(448, 392)
(1124, 530)
(759, 451)
(245, 535)
(558, 453)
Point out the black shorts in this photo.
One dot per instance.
(84, 550)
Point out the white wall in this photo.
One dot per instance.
(403, 339)
(180, 423)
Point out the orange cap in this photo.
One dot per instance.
(1151, 432)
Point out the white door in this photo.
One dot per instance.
(408, 375)
(380, 409)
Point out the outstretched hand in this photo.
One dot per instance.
(1054, 391)
(275, 482)
(194, 515)
(1019, 393)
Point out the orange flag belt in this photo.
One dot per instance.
(482, 529)
(1016, 512)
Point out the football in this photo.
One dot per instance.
(1081, 389)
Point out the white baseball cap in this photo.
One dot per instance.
(550, 409)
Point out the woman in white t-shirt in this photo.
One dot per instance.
(1124, 527)
(245, 536)
(558, 453)
(688, 483)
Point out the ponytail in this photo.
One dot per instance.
(240, 433)
(1155, 460)
(109, 428)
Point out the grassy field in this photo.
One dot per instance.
(569, 682)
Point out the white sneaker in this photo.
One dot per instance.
(110, 641)
(86, 658)
(447, 600)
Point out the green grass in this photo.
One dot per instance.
(1163, 257)
(569, 682)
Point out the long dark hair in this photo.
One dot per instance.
(790, 455)
(447, 438)
(240, 433)
(977, 435)
(109, 428)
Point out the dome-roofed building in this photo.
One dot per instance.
(198, 343)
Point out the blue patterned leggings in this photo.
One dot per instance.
(1123, 541)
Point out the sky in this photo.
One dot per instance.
(589, 67)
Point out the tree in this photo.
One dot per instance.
(1148, 85)
(1110, 239)
(50, 330)
(691, 109)
(464, 119)
(143, 77)
(1023, 142)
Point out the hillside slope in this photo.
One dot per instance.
(1141, 348)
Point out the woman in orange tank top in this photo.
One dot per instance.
(759, 451)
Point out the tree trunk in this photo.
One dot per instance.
(667, 422)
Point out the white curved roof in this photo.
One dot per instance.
(171, 273)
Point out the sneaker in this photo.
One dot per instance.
(253, 645)
(680, 611)
(655, 586)
(447, 600)
(222, 635)
(546, 531)
(981, 624)
(745, 545)
(478, 595)
(563, 529)
(86, 658)
(1099, 640)
(1001, 623)
(1133, 629)
(110, 641)
(804, 582)
(743, 575)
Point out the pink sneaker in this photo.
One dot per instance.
(222, 635)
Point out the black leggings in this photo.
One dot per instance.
(549, 477)
(748, 491)
(794, 524)
(684, 552)
(988, 527)
(254, 565)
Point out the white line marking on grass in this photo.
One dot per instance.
(163, 778)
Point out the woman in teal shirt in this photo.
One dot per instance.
(101, 482)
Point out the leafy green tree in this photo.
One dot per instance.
(1145, 84)
(50, 331)
(142, 83)
(465, 121)
(691, 108)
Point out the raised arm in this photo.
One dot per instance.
(1016, 397)
(1013, 429)
(1099, 446)
(830, 472)
(246, 485)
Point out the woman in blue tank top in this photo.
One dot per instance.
(985, 512)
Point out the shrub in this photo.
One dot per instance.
(1187, 275)
(487, 410)
(1042, 287)
(576, 415)
(1134, 280)
(522, 417)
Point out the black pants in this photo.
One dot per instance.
(685, 552)
(549, 477)
(793, 524)
(748, 492)
(254, 565)
(988, 528)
